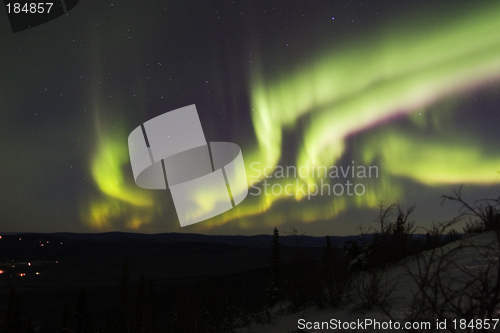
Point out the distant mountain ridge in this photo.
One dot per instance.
(259, 241)
(238, 240)
(256, 241)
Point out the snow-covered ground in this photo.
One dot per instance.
(466, 255)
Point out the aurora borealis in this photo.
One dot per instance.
(411, 89)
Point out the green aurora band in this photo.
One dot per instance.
(393, 72)
(433, 160)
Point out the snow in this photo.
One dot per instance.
(464, 258)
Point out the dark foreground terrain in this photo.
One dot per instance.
(48, 271)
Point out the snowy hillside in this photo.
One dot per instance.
(457, 275)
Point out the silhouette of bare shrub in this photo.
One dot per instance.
(372, 289)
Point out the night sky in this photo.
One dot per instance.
(413, 89)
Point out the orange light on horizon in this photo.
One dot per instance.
(1, 272)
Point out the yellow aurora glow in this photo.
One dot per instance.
(107, 166)
(121, 202)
